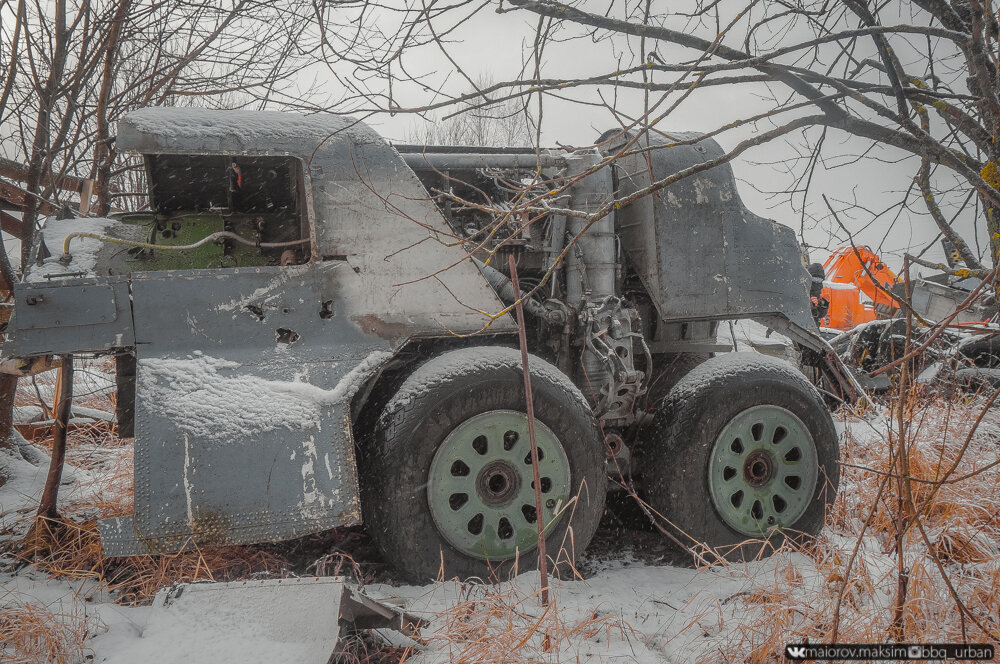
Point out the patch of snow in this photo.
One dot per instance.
(27, 414)
(235, 626)
(836, 285)
(83, 250)
(237, 129)
(750, 335)
(209, 397)
(79, 418)
(93, 413)
(21, 490)
(263, 295)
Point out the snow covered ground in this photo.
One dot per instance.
(628, 605)
(629, 611)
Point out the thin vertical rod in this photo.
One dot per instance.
(540, 519)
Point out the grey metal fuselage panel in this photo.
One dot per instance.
(242, 427)
(700, 253)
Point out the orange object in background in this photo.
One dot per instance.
(850, 290)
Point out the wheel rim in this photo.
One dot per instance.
(763, 470)
(480, 489)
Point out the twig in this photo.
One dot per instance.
(529, 402)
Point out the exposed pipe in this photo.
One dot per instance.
(591, 266)
(461, 161)
(221, 235)
(505, 290)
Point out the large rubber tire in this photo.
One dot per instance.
(433, 409)
(688, 457)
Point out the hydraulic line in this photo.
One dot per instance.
(220, 235)
(505, 290)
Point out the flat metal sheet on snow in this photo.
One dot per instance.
(274, 620)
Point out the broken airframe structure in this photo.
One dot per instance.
(304, 342)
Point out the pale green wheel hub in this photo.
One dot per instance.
(480, 489)
(763, 470)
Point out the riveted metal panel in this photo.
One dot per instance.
(118, 538)
(242, 404)
(70, 315)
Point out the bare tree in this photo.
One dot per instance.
(246, 55)
(915, 82)
(506, 123)
(74, 67)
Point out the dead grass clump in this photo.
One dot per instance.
(500, 623)
(30, 634)
(104, 494)
(72, 550)
(856, 596)
(365, 647)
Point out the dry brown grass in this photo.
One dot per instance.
(500, 623)
(30, 634)
(72, 550)
(961, 520)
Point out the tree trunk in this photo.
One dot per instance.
(64, 391)
(40, 142)
(8, 382)
(8, 386)
(104, 154)
(993, 230)
(7, 278)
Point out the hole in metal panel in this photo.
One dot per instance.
(285, 336)
(475, 524)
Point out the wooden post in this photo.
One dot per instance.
(540, 520)
(62, 407)
(86, 193)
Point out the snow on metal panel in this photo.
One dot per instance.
(368, 204)
(275, 620)
(243, 395)
(84, 250)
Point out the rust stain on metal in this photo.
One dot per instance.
(372, 324)
(210, 528)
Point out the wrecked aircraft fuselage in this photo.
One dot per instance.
(294, 271)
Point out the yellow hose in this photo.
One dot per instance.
(65, 258)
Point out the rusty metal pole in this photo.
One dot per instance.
(64, 396)
(540, 519)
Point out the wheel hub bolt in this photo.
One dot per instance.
(498, 483)
(758, 468)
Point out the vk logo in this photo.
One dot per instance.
(795, 652)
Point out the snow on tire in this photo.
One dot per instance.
(446, 481)
(744, 456)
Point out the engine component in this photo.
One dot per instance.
(610, 379)
(591, 267)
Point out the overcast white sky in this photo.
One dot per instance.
(494, 45)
